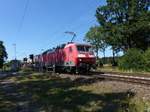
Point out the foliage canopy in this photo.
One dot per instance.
(3, 54)
(96, 37)
(123, 24)
(126, 23)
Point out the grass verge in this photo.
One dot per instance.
(116, 70)
(40, 92)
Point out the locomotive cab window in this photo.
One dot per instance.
(84, 48)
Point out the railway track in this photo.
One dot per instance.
(123, 78)
(106, 76)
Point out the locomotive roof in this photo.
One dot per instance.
(54, 48)
(63, 46)
(49, 50)
(83, 44)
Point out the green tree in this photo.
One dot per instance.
(95, 37)
(126, 23)
(3, 54)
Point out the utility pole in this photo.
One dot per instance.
(15, 64)
(71, 33)
(15, 51)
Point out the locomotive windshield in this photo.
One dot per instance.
(81, 48)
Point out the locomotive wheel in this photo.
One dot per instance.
(74, 70)
(77, 71)
(68, 70)
(56, 69)
(83, 70)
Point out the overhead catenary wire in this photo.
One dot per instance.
(23, 16)
(21, 24)
(71, 27)
(76, 27)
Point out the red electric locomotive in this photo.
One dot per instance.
(71, 57)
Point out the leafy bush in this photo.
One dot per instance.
(132, 60)
(27, 70)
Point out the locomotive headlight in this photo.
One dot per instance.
(91, 56)
(80, 59)
(81, 55)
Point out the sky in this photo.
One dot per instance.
(37, 25)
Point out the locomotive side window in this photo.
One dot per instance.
(70, 49)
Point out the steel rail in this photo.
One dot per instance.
(125, 78)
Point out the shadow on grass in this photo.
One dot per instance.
(59, 95)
